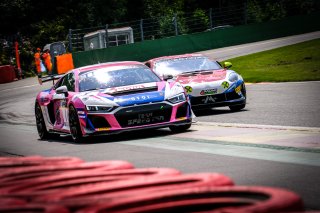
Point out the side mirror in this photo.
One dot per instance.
(62, 90)
(167, 77)
(227, 65)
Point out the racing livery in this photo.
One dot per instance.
(207, 82)
(111, 98)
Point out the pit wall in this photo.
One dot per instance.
(142, 51)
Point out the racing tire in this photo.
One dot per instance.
(41, 126)
(180, 128)
(74, 123)
(236, 108)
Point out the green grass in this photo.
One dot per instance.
(298, 62)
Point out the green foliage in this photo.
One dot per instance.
(201, 18)
(42, 22)
(258, 12)
(299, 62)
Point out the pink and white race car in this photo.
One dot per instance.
(111, 98)
(207, 82)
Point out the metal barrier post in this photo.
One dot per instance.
(107, 36)
(210, 18)
(175, 24)
(141, 29)
(70, 40)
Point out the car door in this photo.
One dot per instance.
(60, 103)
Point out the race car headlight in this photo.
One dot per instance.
(233, 77)
(178, 98)
(99, 108)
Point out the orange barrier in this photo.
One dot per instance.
(64, 63)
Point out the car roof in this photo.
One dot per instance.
(109, 64)
(176, 56)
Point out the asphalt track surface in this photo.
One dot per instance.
(274, 142)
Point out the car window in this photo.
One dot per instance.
(58, 84)
(120, 76)
(188, 64)
(68, 81)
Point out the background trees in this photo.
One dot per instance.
(34, 23)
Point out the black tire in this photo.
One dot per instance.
(75, 129)
(180, 128)
(41, 126)
(236, 108)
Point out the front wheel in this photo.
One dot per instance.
(41, 126)
(237, 107)
(75, 129)
(180, 128)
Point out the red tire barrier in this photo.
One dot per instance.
(13, 163)
(45, 170)
(235, 199)
(7, 74)
(12, 201)
(78, 178)
(77, 197)
(38, 208)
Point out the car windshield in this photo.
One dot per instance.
(115, 77)
(181, 65)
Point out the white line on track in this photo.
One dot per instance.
(259, 126)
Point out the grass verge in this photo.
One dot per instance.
(298, 62)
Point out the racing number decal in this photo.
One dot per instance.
(188, 89)
(225, 84)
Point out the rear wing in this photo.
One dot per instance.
(51, 78)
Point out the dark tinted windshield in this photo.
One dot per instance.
(109, 77)
(181, 65)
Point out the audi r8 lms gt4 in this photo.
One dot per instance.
(111, 98)
(207, 82)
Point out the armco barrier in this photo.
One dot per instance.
(143, 51)
(235, 199)
(7, 74)
(78, 197)
(80, 178)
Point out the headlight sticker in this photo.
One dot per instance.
(238, 89)
(188, 89)
(225, 85)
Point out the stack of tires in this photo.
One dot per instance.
(68, 184)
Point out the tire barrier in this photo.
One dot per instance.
(11, 163)
(15, 174)
(235, 199)
(7, 74)
(45, 184)
(67, 184)
(9, 201)
(35, 208)
(77, 197)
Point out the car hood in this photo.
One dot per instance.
(202, 77)
(131, 95)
